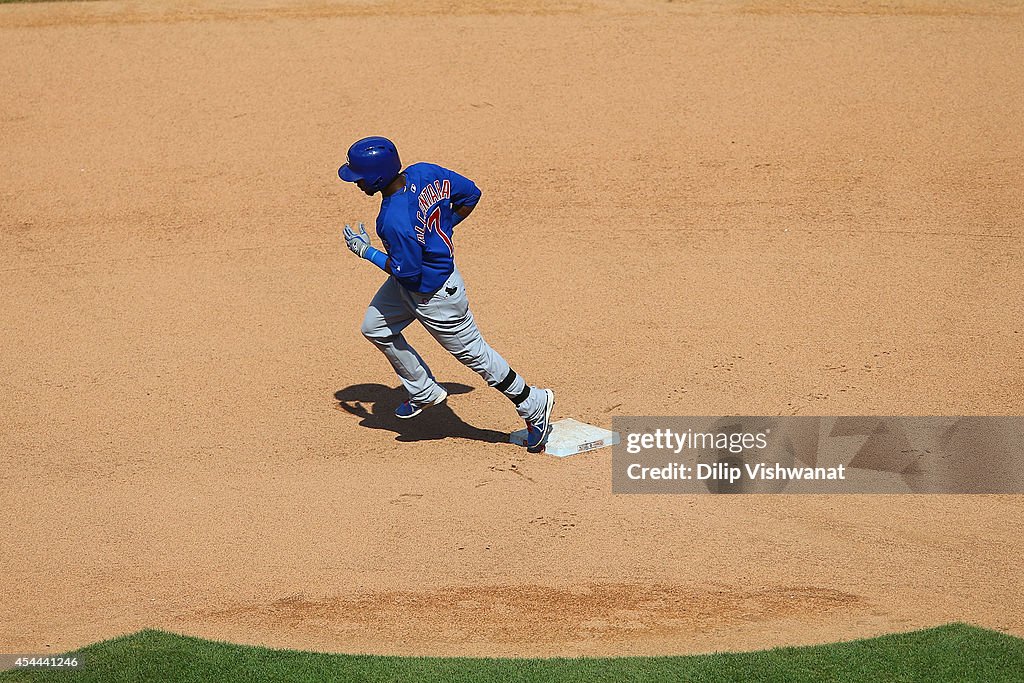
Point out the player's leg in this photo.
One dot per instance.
(448, 319)
(387, 315)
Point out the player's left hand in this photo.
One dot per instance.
(358, 242)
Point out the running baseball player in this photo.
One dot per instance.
(419, 210)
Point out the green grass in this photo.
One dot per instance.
(956, 652)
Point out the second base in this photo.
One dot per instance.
(569, 437)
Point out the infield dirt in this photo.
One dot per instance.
(689, 208)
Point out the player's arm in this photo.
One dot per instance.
(461, 213)
(359, 244)
(465, 196)
(405, 263)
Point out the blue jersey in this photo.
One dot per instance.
(415, 224)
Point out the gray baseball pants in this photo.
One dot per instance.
(447, 317)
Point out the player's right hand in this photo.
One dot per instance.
(358, 242)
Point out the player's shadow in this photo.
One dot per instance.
(376, 403)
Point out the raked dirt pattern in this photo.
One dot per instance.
(689, 208)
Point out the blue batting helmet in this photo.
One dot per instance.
(373, 159)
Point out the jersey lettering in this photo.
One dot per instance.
(434, 192)
(430, 195)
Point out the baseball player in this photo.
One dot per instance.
(419, 210)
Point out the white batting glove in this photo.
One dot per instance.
(358, 242)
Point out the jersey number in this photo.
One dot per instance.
(434, 223)
(434, 220)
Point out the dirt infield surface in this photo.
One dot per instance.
(688, 208)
